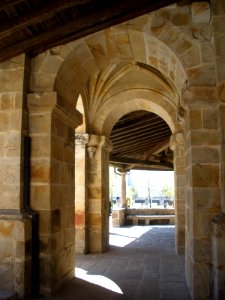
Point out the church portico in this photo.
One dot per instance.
(146, 93)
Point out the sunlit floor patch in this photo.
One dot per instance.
(98, 280)
(123, 236)
(120, 240)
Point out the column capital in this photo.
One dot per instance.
(99, 141)
(122, 171)
(81, 139)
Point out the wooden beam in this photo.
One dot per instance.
(153, 120)
(99, 15)
(131, 146)
(140, 138)
(137, 162)
(41, 14)
(128, 120)
(159, 147)
(147, 130)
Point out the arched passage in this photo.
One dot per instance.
(147, 55)
(178, 45)
(113, 73)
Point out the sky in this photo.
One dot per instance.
(141, 180)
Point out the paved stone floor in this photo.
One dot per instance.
(141, 265)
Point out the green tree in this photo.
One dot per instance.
(132, 193)
(168, 191)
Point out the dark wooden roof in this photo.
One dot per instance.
(141, 141)
(36, 25)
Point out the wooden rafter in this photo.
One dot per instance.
(41, 14)
(94, 16)
(124, 160)
(140, 141)
(141, 131)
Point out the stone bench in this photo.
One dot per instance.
(148, 218)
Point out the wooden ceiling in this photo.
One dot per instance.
(33, 26)
(141, 141)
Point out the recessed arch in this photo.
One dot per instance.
(132, 100)
(76, 62)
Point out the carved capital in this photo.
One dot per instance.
(81, 139)
(91, 151)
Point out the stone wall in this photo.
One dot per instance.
(15, 227)
(52, 187)
(218, 238)
(202, 195)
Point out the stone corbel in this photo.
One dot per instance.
(93, 143)
(91, 151)
(181, 114)
(176, 139)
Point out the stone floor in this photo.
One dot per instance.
(141, 264)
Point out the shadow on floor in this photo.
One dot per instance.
(78, 289)
(141, 265)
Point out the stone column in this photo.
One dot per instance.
(202, 193)
(177, 145)
(123, 188)
(98, 193)
(15, 227)
(81, 140)
(52, 187)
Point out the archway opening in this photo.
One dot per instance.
(141, 146)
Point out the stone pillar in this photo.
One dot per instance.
(81, 140)
(123, 189)
(15, 227)
(202, 193)
(52, 187)
(218, 239)
(177, 145)
(98, 194)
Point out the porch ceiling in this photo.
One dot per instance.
(34, 26)
(141, 141)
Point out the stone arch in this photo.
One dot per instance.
(153, 43)
(141, 100)
(158, 42)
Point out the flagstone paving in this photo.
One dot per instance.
(141, 264)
